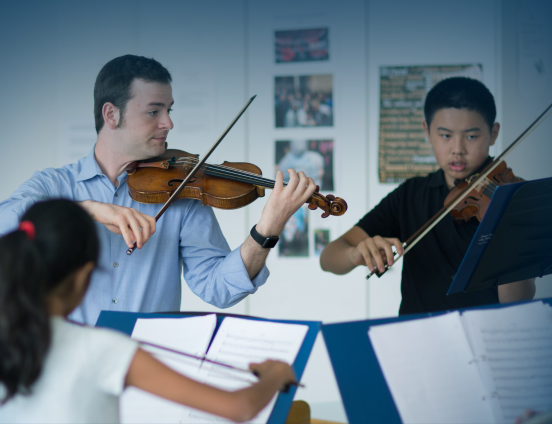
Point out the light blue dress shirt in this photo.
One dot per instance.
(188, 238)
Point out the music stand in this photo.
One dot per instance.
(513, 241)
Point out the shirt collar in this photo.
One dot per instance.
(90, 167)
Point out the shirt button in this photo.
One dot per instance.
(114, 300)
(115, 264)
(116, 194)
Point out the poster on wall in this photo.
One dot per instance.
(404, 151)
(294, 240)
(303, 45)
(313, 157)
(303, 101)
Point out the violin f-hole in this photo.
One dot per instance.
(475, 199)
(177, 181)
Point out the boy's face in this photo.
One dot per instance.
(461, 139)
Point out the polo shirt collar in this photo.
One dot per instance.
(90, 167)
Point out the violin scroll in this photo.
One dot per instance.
(330, 204)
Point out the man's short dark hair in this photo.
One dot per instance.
(115, 78)
(460, 93)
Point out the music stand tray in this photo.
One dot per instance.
(513, 241)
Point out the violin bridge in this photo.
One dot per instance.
(187, 166)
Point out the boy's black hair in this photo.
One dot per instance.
(115, 78)
(460, 93)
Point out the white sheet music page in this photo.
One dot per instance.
(513, 349)
(190, 335)
(240, 342)
(428, 367)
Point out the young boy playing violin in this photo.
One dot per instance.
(460, 125)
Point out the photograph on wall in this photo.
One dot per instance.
(302, 45)
(303, 101)
(294, 240)
(313, 157)
(404, 151)
(321, 239)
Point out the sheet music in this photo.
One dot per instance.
(240, 342)
(428, 366)
(190, 335)
(513, 349)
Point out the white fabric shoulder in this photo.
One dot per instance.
(83, 375)
(109, 353)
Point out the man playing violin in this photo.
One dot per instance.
(132, 105)
(460, 125)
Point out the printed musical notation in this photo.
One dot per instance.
(484, 366)
(239, 342)
(517, 344)
(426, 364)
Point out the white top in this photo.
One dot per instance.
(83, 376)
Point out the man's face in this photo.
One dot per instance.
(146, 122)
(461, 139)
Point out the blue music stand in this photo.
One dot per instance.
(364, 391)
(513, 241)
(125, 321)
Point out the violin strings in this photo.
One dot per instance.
(236, 174)
(245, 176)
(194, 161)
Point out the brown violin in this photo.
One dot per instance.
(227, 186)
(231, 185)
(476, 201)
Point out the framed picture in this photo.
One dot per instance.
(303, 101)
(301, 45)
(313, 157)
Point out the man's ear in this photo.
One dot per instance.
(494, 133)
(111, 115)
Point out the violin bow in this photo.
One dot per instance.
(198, 166)
(204, 358)
(428, 226)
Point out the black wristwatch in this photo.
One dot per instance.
(265, 242)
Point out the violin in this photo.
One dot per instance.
(227, 186)
(231, 185)
(472, 196)
(477, 200)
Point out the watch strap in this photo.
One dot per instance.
(266, 242)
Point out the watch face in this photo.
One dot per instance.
(270, 241)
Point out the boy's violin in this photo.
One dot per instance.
(472, 196)
(477, 199)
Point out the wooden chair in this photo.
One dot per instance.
(300, 414)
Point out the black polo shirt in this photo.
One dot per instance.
(428, 268)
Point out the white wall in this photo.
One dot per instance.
(526, 93)
(225, 48)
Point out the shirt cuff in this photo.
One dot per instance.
(237, 273)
